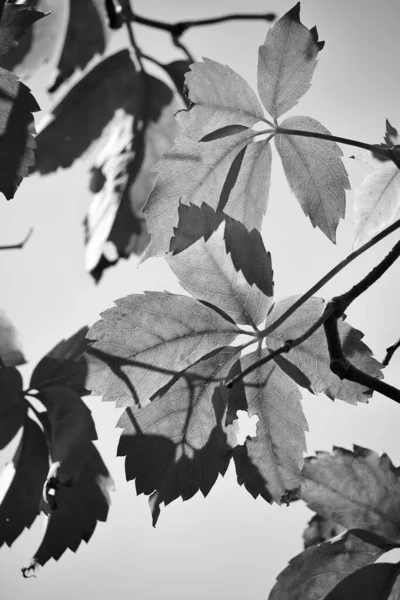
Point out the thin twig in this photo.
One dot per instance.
(20, 245)
(389, 353)
(177, 42)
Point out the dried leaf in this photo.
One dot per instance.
(16, 19)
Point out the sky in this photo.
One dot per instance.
(227, 546)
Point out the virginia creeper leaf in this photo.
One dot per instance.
(61, 366)
(16, 19)
(177, 444)
(313, 573)
(21, 497)
(376, 202)
(351, 488)
(286, 63)
(10, 347)
(320, 530)
(146, 339)
(73, 125)
(372, 582)
(312, 356)
(277, 450)
(12, 405)
(315, 173)
(79, 504)
(207, 272)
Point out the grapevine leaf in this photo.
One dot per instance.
(12, 405)
(316, 571)
(10, 348)
(315, 173)
(73, 125)
(207, 272)
(15, 21)
(122, 175)
(42, 41)
(27, 473)
(286, 63)
(376, 202)
(16, 132)
(86, 36)
(372, 582)
(277, 450)
(81, 498)
(320, 530)
(61, 366)
(312, 356)
(177, 444)
(351, 488)
(146, 339)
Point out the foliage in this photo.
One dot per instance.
(182, 366)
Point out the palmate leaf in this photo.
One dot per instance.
(178, 444)
(15, 20)
(316, 571)
(351, 488)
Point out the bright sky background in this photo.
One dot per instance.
(228, 546)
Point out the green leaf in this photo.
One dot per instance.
(312, 356)
(62, 367)
(320, 530)
(277, 450)
(316, 571)
(146, 339)
(372, 582)
(376, 202)
(351, 488)
(10, 347)
(207, 272)
(79, 502)
(286, 63)
(12, 405)
(16, 19)
(177, 444)
(21, 484)
(315, 173)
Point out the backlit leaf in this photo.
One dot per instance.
(177, 444)
(286, 63)
(10, 347)
(372, 582)
(312, 574)
(146, 339)
(351, 488)
(12, 405)
(376, 202)
(16, 19)
(315, 173)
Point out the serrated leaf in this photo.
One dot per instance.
(351, 488)
(286, 63)
(12, 405)
(21, 484)
(177, 444)
(42, 41)
(277, 450)
(17, 143)
(372, 582)
(10, 347)
(312, 356)
(15, 20)
(79, 505)
(316, 571)
(146, 339)
(207, 272)
(376, 202)
(62, 367)
(73, 125)
(320, 530)
(315, 173)
(86, 36)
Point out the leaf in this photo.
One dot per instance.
(277, 450)
(21, 484)
(316, 571)
(315, 173)
(177, 444)
(312, 356)
(372, 582)
(207, 272)
(79, 506)
(351, 488)
(286, 63)
(16, 19)
(73, 125)
(86, 36)
(16, 132)
(146, 339)
(123, 177)
(320, 530)
(376, 202)
(10, 347)
(177, 70)
(42, 41)
(12, 405)
(62, 367)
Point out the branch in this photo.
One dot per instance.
(20, 245)
(389, 353)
